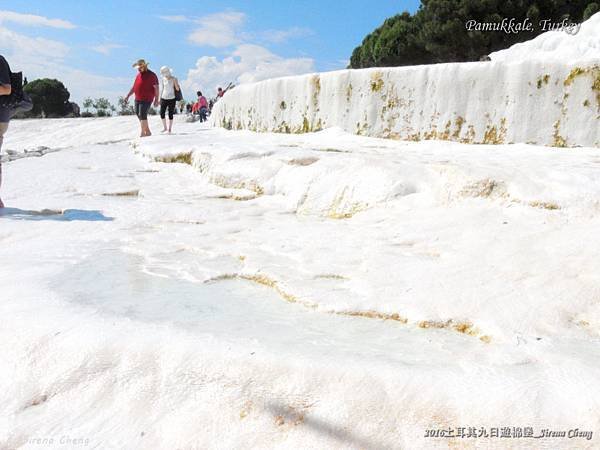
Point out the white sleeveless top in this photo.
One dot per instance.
(168, 88)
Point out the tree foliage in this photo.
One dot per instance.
(437, 32)
(102, 106)
(590, 10)
(50, 98)
(125, 108)
(88, 103)
(396, 40)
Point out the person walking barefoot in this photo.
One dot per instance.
(145, 88)
(5, 89)
(167, 96)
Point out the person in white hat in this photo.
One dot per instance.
(168, 96)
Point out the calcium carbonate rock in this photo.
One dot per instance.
(548, 101)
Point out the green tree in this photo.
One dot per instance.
(437, 32)
(103, 107)
(395, 43)
(125, 108)
(590, 10)
(50, 98)
(88, 103)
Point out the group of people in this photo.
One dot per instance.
(148, 91)
(203, 107)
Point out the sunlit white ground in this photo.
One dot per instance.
(293, 291)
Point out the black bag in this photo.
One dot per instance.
(178, 95)
(16, 91)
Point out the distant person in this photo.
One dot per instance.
(201, 107)
(221, 91)
(167, 96)
(145, 88)
(220, 94)
(5, 90)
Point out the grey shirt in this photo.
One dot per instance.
(4, 79)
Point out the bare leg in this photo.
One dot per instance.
(164, 121)
(3, 128)
(1, 204)
(170, 125)
(145, 128)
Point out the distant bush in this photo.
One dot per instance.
(50, 98)
(125, 108)
(87, 104)
(437, 32)
(102, 107)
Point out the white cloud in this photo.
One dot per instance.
(224, 29)
(248, 63)
(80, 83)
(33, 20)
(30, 47)
(174, 18)
(218, 30)
(105, 49)
(44, 58)
(280, 36)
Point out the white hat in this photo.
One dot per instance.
(165, 70)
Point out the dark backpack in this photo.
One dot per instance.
(16, 94)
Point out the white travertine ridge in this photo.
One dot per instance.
(545, 101)
(558, 45)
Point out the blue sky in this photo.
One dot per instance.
(91, 45)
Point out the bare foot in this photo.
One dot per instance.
(1, 204)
